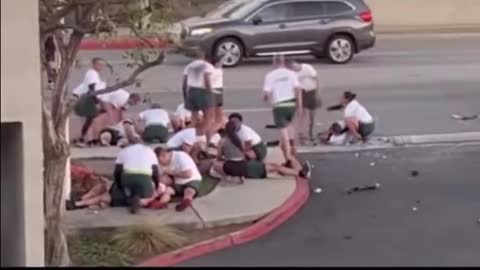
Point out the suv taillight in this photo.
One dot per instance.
(366, 16)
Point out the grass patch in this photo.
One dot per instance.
(132, 245)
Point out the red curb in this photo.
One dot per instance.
(262, 227)
(119, 44)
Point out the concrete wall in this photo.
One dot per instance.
(21, 104)
(446, 14)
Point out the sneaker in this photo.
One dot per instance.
(306, 171)
(134, 204)
(184, 204)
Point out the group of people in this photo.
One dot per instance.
(198, 139)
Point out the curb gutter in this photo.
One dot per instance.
(262, 227)
(437, 138)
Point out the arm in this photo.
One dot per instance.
(155, 175)
(181, 174)
(208, 80)
(299, 98)
(117, 175)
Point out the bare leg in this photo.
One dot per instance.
(195, 119)
(353, 125)
(96, 190)
(189, 194)
(276, 168)
(208, 125)
(218, 167)
(95, 201)
(311, 123)
(100, 122)
(285, 144)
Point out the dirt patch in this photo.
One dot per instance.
(100, 249)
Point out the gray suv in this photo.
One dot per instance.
(240, 29)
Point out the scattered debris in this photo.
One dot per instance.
(418, 201)
(377, 155)
(271, 126)
(318, 190)
(478, 221)
(372, 164)
(414, 209)
(414, 173)
(384, 157)
(95, 212)
(357, 154)
(364, 188)
(465, 118)
(347, 237)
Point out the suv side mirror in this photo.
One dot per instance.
(257, 20)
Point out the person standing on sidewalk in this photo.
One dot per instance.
(217, 94)
(283, 91)
(197, 93)
(308, 78)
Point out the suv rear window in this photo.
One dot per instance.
(307, 9)
(337, 7)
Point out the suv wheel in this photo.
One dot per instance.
(340, 49)
(231, 50)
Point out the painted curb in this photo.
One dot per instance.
(438, 138)
(262, 227)
(125, 43)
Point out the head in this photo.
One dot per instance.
(106, 138)
(237, 119)
(98, 64)
(217, 61)
(200, 55)
(134, 99)
(293, 64)
(164, 155)
(232, 135)
(348, 97)
(337, 128)
(278, 60)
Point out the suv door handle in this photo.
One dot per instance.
(282, 26)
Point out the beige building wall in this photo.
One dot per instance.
(22, 226)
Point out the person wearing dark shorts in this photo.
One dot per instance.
(179, 169)
(260, 170)
(359, 121)
(255, 148)
(117, 135)
(197, 92)
(308, 78)
(157, 123)
(137, 175)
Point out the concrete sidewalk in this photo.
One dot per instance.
(224, 206)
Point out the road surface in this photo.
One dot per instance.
(412, 85)
(378, 228)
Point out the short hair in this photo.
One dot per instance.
(136, 97)
(156, 106)
(290, 61)
(162, 149)
(236, 115)
(97, 59)
(215, 59)
(348, 95)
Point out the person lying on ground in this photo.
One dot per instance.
(118, 135)
(137, 174)
(179, 170)
(189, 141)
(155, 124)
(335, 135)
(107, 193)
(254, 147)
(359, 122)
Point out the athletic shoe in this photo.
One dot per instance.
(184, 204)
(306, 171)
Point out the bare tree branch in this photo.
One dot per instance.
(48, 129)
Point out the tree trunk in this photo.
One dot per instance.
(55, 162)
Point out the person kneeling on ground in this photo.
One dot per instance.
(335, 135)
(179, 170)
(236, 166)
(137, 174)
(189, 141)
(119, 134)
(359, 122)
(155, 123)
(254, 147)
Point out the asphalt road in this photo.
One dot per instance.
(378, 228)
(411, 85)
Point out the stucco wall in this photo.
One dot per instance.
(21, 102)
